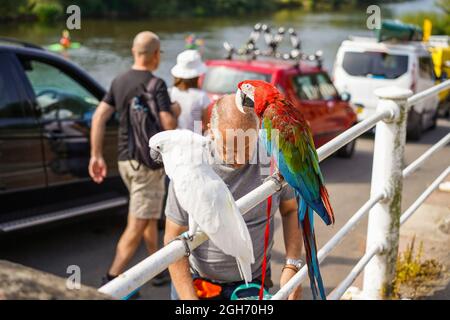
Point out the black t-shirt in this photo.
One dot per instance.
(124, 88)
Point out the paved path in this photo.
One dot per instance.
(430, 227)
(90, 242)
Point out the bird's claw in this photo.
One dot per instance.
(277, 178)
(188, 236)
(185, 237)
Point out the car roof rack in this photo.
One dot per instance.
(250, 51)
(19, 43)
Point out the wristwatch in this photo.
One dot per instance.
(297, 263)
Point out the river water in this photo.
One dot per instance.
(105, 50)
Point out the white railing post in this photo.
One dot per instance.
(384, 217)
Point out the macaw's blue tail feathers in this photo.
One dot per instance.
(306, 217)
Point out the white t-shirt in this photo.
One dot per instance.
(192, 103)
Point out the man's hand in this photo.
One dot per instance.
(286, 275)
(179, 270)
(97, 169)
(97, 165)
(292, 241)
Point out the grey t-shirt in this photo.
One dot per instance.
(207, 259)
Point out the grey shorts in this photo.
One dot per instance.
(146, 188)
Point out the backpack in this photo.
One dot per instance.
(143, 123)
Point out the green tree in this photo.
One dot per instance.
(47, 10)
(11, 8)
(440, 22)
(444, 5)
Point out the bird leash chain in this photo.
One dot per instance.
(266, 239)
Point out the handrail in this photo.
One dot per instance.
(428, 92)
(352, 133)
(409, 212)
(301, 275)
(419, 161)
(391, 100)
(339, 291)
(346, 283)
(148, 268)
(290, 286)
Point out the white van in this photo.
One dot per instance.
(363, 65)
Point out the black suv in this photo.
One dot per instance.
(46, 107)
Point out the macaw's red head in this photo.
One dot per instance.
(254, 94)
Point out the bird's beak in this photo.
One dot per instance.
(242, 100)
(156, 155)
(238, 100)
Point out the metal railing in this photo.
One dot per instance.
(383, 206)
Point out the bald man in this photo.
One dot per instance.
(242, 170)
(146, 186)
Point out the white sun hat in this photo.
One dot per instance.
(189, 65)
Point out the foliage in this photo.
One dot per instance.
(440, 21)
(444, 5)
(169, 8)
(47, 11)
(336, 4)
(412, 271)
(11, 8)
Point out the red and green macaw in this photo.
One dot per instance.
(295, 155)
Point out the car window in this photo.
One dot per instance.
(12, 101)
(425, 68)
(316, 86)
(326, 87)
(375, 64)
(306, 87)
(58, 95)
(223, 79)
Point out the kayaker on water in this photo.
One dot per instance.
(65, 39)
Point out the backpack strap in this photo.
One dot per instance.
(151, 85)
(150, 90)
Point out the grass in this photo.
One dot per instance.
(413, 272)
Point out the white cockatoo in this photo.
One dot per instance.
(203, 194)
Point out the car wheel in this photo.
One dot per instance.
(415, 125)
(347, 151)
(434, 120)
(447, 109)
(444, 109)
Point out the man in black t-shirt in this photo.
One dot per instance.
(146, 186)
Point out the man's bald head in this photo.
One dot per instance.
(235, 132)
(225, 115)
(146, 42)
(145, 50)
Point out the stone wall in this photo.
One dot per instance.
(18, 282)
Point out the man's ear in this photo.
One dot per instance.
(156, 55)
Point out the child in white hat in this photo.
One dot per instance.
(191, 98)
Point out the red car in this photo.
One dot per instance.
(308, 86)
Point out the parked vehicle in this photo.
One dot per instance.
(46, 106)
(302, 80)
(363, 65)
(440, 52)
